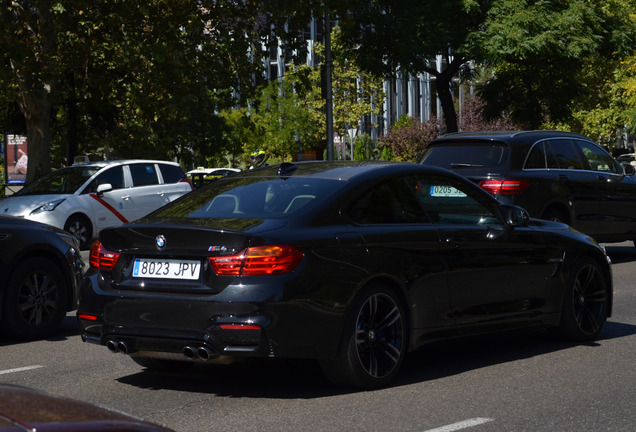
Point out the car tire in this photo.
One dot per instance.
(81, 229)
(374, 341)
(585, 305)
(159, 364)
(35, 303)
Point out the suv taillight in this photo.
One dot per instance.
(102, 259)
(504, 186)
(258, 261)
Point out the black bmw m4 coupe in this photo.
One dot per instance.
(354, 264)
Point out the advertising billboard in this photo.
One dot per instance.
(15, 158)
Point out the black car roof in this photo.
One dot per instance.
(507, 136)
(333, 170)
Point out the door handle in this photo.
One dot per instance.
(563, 177)
(125, 197)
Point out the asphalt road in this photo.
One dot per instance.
(516, 382)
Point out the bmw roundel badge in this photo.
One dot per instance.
(160, 241)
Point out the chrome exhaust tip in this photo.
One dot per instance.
(190, 352)
(204, 354)
(122, 347)
(112, 346)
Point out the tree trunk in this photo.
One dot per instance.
(448, 107)
(443, 81)
(37, 113)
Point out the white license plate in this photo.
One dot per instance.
(166, 269)
(446, 191)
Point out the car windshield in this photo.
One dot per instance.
(62, 181)
(251, 198)
(469, 155)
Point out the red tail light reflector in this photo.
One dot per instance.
(258, 261)
(504, 186)
(101, 258)
(240, 327)
(88, 317)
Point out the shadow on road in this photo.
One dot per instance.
(303, 379)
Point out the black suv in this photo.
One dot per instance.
(553, 175)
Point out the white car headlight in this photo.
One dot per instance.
(50, 206)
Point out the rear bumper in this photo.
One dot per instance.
(254, 326)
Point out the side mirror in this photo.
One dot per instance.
(104, 187)
(628, 168)
(515, 215)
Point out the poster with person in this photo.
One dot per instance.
(16, 158)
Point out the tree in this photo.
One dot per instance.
(127, 78)
(405, 36)
(293, 107)
(550, 59)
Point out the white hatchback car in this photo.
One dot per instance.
(87, 197)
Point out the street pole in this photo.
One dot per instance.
(329, 96)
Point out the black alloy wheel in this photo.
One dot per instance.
(374, 342)
(36, 299)
(585, 304)
(81, 229)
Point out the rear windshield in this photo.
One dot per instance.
(62, 181)
(251, 198)
(469, 155)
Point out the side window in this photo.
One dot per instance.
(143, 174)
(536, 158)
(541, 156)
(597, 158)
(566, 154)
(171, 173)
(114, 176)
(448, 201)
(390, 202)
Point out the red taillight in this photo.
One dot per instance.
(102, 259)
(504, 186)
(257, 261)
(188, 181)
(88, 317)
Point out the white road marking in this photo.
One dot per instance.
(26, 368)
(461, 425)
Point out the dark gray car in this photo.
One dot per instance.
(40, 269)
(553, 175)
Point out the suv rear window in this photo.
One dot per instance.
(466, 155)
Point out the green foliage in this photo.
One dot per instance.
(292, 108)
(409, 137)
(284, 115)
(127, 79)
(551, 60)
(365, 148)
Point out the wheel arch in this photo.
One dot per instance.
(559, 207)
(44, 253)
(571, 261)
(394, 285)
(86, 219)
